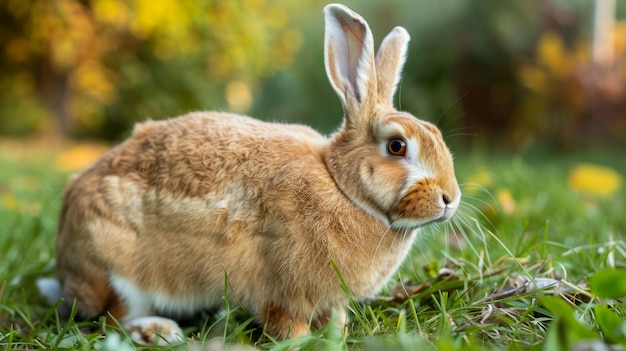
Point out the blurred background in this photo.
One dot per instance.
(493, 74)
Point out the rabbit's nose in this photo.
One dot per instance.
(450, 196)
(449, 207)
(446, 199)
(450, 204)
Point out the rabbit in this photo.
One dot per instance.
(281, 214)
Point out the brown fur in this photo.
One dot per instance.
(186, 201)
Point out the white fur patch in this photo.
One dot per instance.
(409, 223)
(412, 150)
(50, 288)
(417, 173)
(388, 130)
(140, 302)
(455, 203)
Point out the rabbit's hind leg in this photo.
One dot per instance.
(154, 330)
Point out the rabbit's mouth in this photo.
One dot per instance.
(416, 219)
(447, 212)
(401, 222)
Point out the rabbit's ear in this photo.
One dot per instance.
(389, 61)
(349, 60)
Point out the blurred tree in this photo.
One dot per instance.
(98, 65)
(570, 98)
(495, 36)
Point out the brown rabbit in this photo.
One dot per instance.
(153, 227)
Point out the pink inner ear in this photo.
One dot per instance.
(344, 54)
(345, 37)
(354, 48)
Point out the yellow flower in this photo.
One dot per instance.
(534, 78)
(595, 180)
(553, 55)
(506, 201)
(9, 202)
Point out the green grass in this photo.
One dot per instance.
(524, 222)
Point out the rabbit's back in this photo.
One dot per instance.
(200, 153)
(196, 156)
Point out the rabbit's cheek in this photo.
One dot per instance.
(382, 181)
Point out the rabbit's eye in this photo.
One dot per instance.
(396, 147)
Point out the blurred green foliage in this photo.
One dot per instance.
(491, 72)
(93, 67)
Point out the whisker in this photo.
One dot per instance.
(379, 245)
(406, 232)
(454, 102)
(449, 135)
(465, 223)
(476, 187)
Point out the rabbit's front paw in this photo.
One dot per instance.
(154, 330)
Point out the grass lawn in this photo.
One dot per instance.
(535, 260)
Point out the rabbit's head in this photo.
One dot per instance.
(388, 162)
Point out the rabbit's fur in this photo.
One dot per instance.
(155, 226)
